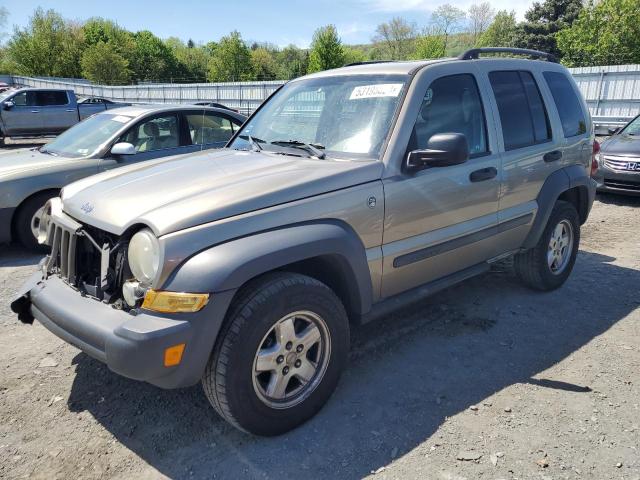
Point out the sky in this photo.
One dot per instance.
(279, 22)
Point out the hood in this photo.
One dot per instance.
(623, 145)
(184, 191)
(25, 162)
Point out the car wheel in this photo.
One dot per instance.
(279, 355)
(548, 265)
(28, 219)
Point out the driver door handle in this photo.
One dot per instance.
(483, 174)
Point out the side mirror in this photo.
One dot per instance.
(613, 130)
(8, 105)
(123, 148)
(443, 150)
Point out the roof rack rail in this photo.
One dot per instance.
(368, 62)
(474, 53)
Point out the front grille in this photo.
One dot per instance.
(622, 163)
(622, 184)
(63, 252)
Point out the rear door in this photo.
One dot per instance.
(439, 221)
(24, 118)
(57, 111)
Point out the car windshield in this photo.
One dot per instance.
(633, 127)
(86, 137)
(345, 117)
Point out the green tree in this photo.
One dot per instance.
(502, 32)
(396, 38)
(102, 64)
(446, 20)
(263, 64)
(353, 55)
(48, 46)
(192, 61)
(429, 45)
(231, 61)
(607, 33)
(152, 60)
(326, 50)
(292, 62)
(480, 16)
(544, 20)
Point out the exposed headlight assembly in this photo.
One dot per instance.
(144, 256)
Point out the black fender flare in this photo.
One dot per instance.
(231, 264)
(555, 185)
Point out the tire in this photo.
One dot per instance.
(231, 382)
(538, 267)
(24, 217)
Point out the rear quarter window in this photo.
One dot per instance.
(568, 104)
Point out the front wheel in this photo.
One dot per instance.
(279, 355)
(548, 265)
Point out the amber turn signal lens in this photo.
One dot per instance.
(173, 355)
(174, 302)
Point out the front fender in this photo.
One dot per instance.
(231, 264)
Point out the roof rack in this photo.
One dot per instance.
(474, 53)
(369, 62)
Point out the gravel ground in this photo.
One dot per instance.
(486, 380)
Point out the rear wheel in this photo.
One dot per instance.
(27, 221)
(280, 354)
(548, 265)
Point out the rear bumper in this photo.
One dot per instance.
(130, 345)
(6, 215)
(616, 181)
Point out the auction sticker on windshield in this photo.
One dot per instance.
(376, 90)
(121, 118)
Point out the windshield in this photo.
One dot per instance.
(346, 117)
(86, 137)
(633, 128)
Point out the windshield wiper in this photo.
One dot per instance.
(313, 148)
(48, 152)
(254, 142)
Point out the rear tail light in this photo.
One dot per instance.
(594, 157)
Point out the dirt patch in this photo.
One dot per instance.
(484, 380)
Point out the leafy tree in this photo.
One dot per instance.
(502, 32)
(480, 16)
(263, 64)
(152, 60)
(292, 62)
(396, 37)
(445, 20)
(47, 46)
(429, 45)
(544, 20)
(607, 33)
(192, 62)
(231, 61)
(102, 64)
(353, 55)
(326, 50)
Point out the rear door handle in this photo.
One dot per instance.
(552, 156)
(70, 110)
(35, 111)
(483, 174)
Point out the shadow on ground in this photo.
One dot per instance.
(621, 200)
(408, 373)
(16, 256)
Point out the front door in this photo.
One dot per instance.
(442, 220)
(24, 117)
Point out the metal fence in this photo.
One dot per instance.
(612, 92)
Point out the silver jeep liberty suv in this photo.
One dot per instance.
(347, 192)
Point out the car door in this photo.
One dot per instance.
(153, 137)
(532, 150)
(442, 220)
(207, 129)
(56, 110)
(23, 118)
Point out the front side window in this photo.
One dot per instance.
(522, 113)
(87, 137)
(154, 134)
(207, 128)
(566, 100)
(345, 117)
(47, 98)
(24, 99)
(452, 105)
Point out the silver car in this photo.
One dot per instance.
(128, 135)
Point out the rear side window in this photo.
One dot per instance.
(522, 113)
(47, 98)
(208, 128)
(568, 104)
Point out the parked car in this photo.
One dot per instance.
(34, 112)
(4, 87)
(98, 100)
(215, 104)
(619, 160)
(348, 193)
(129, 135)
